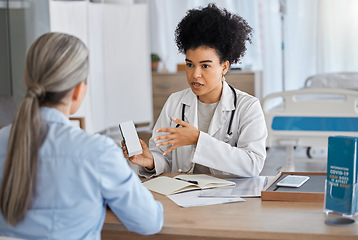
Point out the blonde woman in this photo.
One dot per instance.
(56, 180)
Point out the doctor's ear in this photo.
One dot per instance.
(226, 66)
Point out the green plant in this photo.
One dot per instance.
(155, 57)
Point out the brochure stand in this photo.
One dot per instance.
(341, 200)
(341, 184)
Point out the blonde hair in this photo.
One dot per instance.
(55, 64)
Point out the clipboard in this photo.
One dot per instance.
(311, 191)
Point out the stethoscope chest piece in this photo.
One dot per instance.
(227, 137)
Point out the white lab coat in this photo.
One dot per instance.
(243, 154)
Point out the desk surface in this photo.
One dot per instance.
(253, 219)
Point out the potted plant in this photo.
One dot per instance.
(155, 61)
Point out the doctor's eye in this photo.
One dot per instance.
(205, 66)
(189, 65)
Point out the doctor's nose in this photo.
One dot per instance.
(197, 73)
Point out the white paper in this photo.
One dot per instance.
(192, 199)
(245, 187)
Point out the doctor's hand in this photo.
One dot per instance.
(145, 159)
(177, 137)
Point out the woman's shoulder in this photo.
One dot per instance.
(96, 139)
(180, 94)
(176, 98)
(4, 131)
(247, 101)
(245, 97)
(77, 140)
(4, 138)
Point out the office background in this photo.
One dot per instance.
(292, 40)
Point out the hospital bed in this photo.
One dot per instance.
(344, 80)
(308, 116)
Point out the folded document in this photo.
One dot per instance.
(181, 183)
(245, 187)
(193, 199)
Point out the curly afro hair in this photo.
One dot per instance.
(215, 28)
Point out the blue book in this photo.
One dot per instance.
(341, 189)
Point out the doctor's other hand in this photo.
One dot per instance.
(177, 137)
(145, 159)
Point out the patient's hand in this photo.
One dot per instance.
(145, 159)
(177, 137)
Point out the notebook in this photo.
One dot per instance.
(181, 183)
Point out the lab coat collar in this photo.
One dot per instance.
(223, 110)
(227, 98)
(190, 102)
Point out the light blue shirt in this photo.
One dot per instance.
(78, 175)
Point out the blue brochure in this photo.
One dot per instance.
(341, 186)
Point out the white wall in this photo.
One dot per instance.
(119, 86)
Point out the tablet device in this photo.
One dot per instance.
(293, 181)
(130, 137)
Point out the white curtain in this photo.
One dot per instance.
(322, 37)
(119, 86)
(319, 36)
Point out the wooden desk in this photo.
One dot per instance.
(253, 219)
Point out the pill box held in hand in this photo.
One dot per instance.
(130, 137)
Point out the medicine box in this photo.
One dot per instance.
(341, 184)
(130, 137)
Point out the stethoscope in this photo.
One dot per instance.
(229, 132)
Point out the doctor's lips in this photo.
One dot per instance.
(196, 85)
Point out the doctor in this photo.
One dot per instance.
(209, 127)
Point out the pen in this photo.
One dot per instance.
(189, 181)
